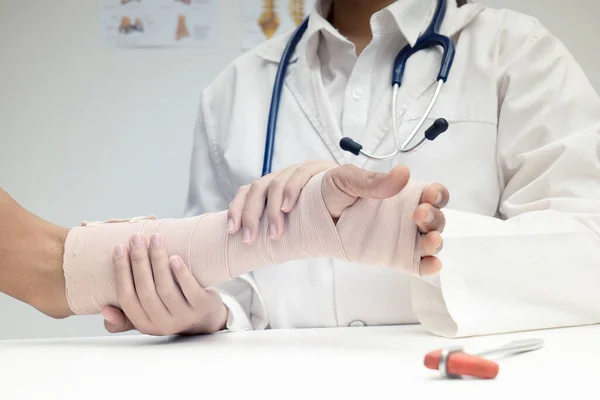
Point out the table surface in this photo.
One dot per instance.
(369, 362)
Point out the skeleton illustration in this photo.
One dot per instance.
(269, 19)
(297, 11)
(127, 27)
(182, 30)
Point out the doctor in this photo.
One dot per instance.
(520, 159)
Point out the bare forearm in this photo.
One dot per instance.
(31, 258)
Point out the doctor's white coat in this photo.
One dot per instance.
(520, 159)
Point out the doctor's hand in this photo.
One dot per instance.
(160, 296)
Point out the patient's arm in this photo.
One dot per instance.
(31, 259)
(372, 232)
(34, 253)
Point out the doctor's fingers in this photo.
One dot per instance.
(234, 212)
(256, 202)
(145, 286)
(254, 207)
(115, 321)
(125, 288)
(298, 180)
(166, 287)
(429, 218)
(238, 214)
(285, 189)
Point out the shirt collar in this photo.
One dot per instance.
(411, 18)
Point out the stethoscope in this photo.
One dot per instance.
(430, 38)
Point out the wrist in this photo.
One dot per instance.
(50, 295)
(31, 253)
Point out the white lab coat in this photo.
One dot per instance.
(520, 159)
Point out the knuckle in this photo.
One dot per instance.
(291, 188)
(277, 186)
(127, 301)
(158, 258)
(242, 191)
(146, 294)
(258, 188)
(165, 293)
(138, 256)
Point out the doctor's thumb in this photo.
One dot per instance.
(115, 320)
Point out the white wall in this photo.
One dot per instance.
(91, 132)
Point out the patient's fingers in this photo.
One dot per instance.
(429, 218)
(436, 194)
(430, 244)
(430, 265)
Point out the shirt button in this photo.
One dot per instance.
(357, 94)
(356, 324)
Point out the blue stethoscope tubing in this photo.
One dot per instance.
(430, 38)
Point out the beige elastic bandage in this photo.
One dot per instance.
(371, 232)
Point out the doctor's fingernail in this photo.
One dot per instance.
(119, 251)
(175, 263)
(272, 230)
(137, 239)
(285, 205)
(438, 198)
(429, 217)
(155, 240)
(245, 235)
(230, 226)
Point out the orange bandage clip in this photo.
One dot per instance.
(455, 363)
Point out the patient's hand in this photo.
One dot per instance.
(159, 296)
(277, 194)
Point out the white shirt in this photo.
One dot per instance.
(520, 159)
(354, 91)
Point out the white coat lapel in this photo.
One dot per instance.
(306, 85)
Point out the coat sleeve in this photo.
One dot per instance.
(246, 308)
(538, 265)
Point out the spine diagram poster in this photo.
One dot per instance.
(160, 23)
(264, 19)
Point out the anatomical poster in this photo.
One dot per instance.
(160, 23)
(264, 19)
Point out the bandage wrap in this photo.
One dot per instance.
(371, 232)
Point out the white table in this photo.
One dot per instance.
(369, 363)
